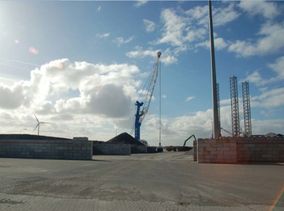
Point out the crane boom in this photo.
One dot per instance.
(140, 115)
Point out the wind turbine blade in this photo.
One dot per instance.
(36, 118)
(36, 127)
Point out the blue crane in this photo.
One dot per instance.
(142, 111)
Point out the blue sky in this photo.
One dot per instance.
(83, 64)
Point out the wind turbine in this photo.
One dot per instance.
(38, 124)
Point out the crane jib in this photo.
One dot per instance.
(140, 113)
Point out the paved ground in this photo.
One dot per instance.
(165, 181)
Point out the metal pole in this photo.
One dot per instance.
(216, 128)
(160, 105)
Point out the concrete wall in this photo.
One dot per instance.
(136, 149)
(111, 149)
(240, 150)
(46, 149)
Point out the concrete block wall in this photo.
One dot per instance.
(263, 150)
(240, 150)
(111, 149)
(46, 149)
(216, 151)
(136, 149)
(194, 150)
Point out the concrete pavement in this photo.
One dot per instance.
(164, 181)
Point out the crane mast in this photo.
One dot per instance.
(140, 113)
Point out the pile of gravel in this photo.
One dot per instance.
(124, 138)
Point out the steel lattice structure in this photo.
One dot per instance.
(218, 106)
(246, 109)
(234, 106)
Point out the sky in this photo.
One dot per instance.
(80, 66)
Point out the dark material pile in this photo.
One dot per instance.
(124, 138)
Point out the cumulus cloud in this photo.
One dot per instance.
(110, 100)
(100, 89)
(166, 57)
(271, 40)
(260, 7)
(278, 67)
(81, 95)
(176, 129)
(13, 97)
(221, 15)
(173, 28)
(149, 25)
(225, 15)
(256, 78)
(266, 126)
(269, 98)
(181, 28)
(219, 43)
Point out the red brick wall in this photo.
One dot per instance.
(240, 150)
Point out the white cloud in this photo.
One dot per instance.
(90, 96)
(173, 28)
(103, 35)
(221, 15)
(219, 43)
(53, 82)
(266, 126)
(99, 8)
(196, 34)
(166, 58)
(121, 41)
(13, 97)
(149, 25)
(278, 67)
(271, 41)
(198, 13)
(225, 15)
(260, 7)
(257, 79)
(190, 98)
(181, 28)
(140, 3)
(175, 130)
(269, 99)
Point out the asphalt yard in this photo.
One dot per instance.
(164, 181)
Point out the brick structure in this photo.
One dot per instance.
(240, 150)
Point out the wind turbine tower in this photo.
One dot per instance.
(38, 124)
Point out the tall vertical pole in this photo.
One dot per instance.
(218, 104)
(160, 102)
(216, 128)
